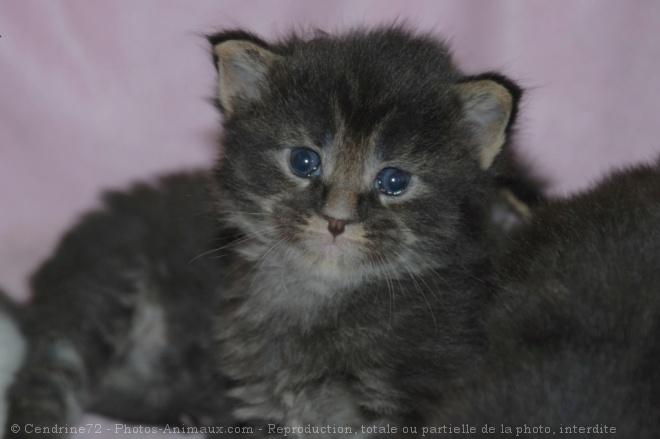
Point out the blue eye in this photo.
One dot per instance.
(392, 181)
(305, 163)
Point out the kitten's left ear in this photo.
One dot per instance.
(490, 103)
(243, 61)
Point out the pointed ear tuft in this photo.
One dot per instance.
(243, 62)
(490, 104)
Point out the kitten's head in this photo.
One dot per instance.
(361, 154)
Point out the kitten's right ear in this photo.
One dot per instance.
(243, 61)
(490, 103)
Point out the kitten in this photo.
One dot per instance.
(575, 330)
(360, 166)
(120, 322)
(361, 191)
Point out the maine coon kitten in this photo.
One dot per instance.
(360, 165)
(120, 322)
(575, 329)
(358, 189)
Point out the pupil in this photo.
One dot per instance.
(393, 181)
(305, 163)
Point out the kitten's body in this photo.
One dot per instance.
(368, 325)
(120, 318)
(366, 358)
(575, 329)
(347, 330)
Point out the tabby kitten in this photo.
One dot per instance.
(356, 192)
(575, 329)
(360, 167)
(121, 318)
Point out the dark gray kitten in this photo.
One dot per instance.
(361, 192)
(359, 168)
(120, 322)
(575, 329)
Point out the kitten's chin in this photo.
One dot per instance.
(332, 259)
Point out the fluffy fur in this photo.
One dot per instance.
(369, 326)
(121, 316)
(575, 329)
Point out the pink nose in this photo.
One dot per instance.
(335, 226)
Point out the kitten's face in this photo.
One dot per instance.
(345, 163)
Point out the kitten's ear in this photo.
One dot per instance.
(243, 61)
(490, 103)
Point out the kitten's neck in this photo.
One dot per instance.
(278, 289)
(270, 289)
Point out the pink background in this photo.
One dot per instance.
(95, 94)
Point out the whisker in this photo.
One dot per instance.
(412, 276)
(398, 279)
(241, 239)
(286, 255)
(390, 288)
(390, 268)
(467, 271)
(262, 259)
(373, 266)
(428, 267)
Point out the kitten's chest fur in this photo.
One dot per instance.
(294, 344)
(273, 318)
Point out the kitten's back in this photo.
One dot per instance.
(120, 322)
(576, 329)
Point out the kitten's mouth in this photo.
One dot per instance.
(325, 240)
(328, 255)
(338, 249)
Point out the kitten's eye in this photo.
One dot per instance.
(392, 181)
(305, 163)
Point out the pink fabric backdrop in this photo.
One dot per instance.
(97, 94)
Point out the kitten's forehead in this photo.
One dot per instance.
(351, 159)
(365, 74)
(373, 94)
(363, 102)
